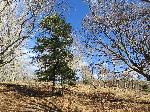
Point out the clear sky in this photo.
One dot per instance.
(78, 9)
(76, 13)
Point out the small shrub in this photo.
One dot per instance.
(72, 83)
(145, 88)
(86, 81)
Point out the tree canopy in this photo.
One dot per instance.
(120, 30)
(53, 53)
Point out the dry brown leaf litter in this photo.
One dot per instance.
(35, 97)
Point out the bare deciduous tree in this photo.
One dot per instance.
(17, 23)
(120, 30)
(19, 68)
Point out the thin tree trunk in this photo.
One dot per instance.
(53, 86)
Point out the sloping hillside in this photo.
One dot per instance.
(35, 97)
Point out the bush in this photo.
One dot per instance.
(86, 81)
(145, 88)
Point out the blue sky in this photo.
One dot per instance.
(76, 13)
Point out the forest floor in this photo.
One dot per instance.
(36, 97)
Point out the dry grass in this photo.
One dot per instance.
(35, 97)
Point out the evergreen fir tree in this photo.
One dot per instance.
(53, 51)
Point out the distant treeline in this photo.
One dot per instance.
(122, 83)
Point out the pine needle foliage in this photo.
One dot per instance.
(53, 51)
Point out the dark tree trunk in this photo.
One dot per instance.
(148, 78)
(53, 86)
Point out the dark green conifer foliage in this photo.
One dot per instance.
(53, 51)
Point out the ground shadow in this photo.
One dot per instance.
(98, 97)
(101, 99)
(50, 107)
(27, 91)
